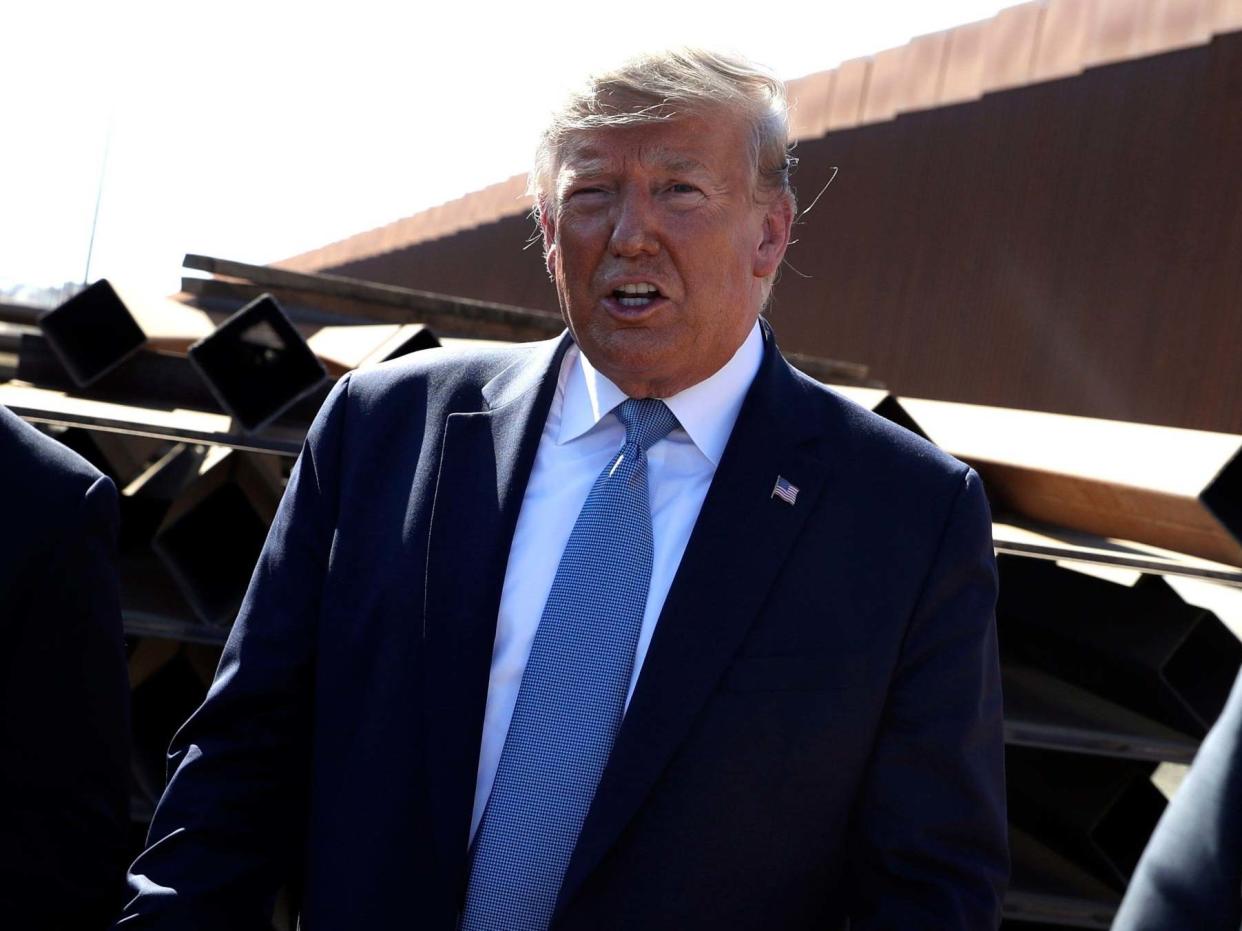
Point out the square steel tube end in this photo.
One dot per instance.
(257, 364)
(213, 533)
(92, 333)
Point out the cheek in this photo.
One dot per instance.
(728, 247)
(576, 250)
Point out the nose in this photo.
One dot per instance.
(635, 225)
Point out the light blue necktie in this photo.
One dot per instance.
(572, 695)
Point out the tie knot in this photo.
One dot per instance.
(646, 420)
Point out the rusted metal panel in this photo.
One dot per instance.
(810, 101)
(923, 73)
(964, 64)
(1227, 15)
(1121, 30)
(1173, 488)
(1175, 24)
(1009, 51)
(849, 93)
(886, 86)
(1064, 39)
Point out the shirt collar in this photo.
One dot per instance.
(706, 411)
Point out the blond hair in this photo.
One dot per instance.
(662, 86)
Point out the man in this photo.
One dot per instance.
(64, 694)
(1190, 875)
(638, 628)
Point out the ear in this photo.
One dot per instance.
(776, 232)
(547, 227)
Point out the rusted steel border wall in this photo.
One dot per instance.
(1071, 246)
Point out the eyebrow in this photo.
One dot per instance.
(587, 161)
(681, 163)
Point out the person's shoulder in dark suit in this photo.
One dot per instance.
(443, 378)
(1190, 875)
(919, 510)
(64, 696)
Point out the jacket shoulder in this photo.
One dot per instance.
(45, 490)
(876, 441)
(35, 462)
(455, 376)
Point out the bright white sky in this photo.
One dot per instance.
(257, 129)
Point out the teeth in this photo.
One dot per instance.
(643, 287)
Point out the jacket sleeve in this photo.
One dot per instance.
(64, 792)
(928, 839)
(227, 833)
(1190, 875)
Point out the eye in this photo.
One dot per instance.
(682, 187)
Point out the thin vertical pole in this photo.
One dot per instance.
(103, 170)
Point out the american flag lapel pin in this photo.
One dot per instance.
(784, 490)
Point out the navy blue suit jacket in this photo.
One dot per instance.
(1190, 875)
(64, 693)
(816, 731)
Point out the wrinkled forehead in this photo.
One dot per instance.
(601, 150)
(687, 144)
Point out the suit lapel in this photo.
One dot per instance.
(485, 463)
(734, 555)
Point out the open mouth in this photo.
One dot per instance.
(636, 295)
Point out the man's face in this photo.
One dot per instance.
(659, 248)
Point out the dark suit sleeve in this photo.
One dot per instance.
(64, 790)
(928, 841)
(227, 832)
(1190, 875)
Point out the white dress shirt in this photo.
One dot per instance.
(580, 437)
